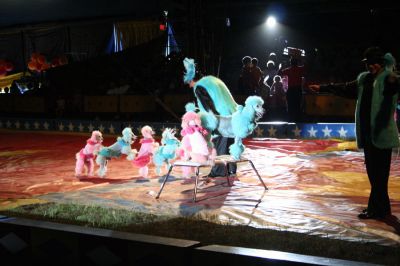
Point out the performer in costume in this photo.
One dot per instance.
(390, 65)
(212, 94)
(376, 91)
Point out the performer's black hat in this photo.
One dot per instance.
(373, 55)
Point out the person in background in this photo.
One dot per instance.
(269, 73)
(245, 76)
(277, 101)
(294, 95)
(273, 57)
(256, 77)
(376, 91)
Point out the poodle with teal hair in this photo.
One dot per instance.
(167, 151)
(239, 125)
(121, 146)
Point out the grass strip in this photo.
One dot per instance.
(193, 228)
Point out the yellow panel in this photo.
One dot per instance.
(329, 105)
(29, 104)
(177, 102)
(137, 104)
(8, 80)
(106, 104)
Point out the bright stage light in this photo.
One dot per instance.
(271, 22)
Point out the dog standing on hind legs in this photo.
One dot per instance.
(121, 146)
(148, 145)
(165, 153)
(85, 157)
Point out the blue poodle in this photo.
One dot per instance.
(239, 125)
(167, 151)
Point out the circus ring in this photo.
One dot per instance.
(315, 176)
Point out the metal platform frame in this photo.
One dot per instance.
(220, 160)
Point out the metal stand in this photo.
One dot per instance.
(220, 160)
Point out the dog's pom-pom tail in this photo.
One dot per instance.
(190, 107)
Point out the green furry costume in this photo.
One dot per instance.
(220, 95)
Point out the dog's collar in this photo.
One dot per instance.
(142, 141)
(191, 129)
(92, 142)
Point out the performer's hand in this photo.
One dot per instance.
(314, 87)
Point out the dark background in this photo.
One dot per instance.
(319, 27)
(334, 35)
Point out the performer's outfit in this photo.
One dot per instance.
(212, 94)
(376, 131)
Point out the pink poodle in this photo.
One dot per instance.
(85, 157)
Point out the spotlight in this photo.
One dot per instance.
(271, 21)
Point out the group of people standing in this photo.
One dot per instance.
(282, 89)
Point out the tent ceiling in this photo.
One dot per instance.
(19, 12)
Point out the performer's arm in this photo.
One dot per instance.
(347, 89)
(205, 99)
